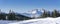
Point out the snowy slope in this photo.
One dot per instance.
(40, 21)
(34, 21)
(6, 21)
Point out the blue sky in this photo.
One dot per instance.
(26, 5)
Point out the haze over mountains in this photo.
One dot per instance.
(33, 13)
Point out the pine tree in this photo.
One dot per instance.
(55, 13)
(2, 15)
(44, 14)
(11, 16)
(48, 14)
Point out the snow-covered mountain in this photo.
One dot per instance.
(33, 13)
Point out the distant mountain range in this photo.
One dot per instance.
(33, 13)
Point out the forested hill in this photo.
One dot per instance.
(13, 16)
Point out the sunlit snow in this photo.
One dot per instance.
(34, 21)
(40, 21)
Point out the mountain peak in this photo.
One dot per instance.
(33, 13)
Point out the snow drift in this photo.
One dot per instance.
(6, 21)
(40, 21)
(34, 21)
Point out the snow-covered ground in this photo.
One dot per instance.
(34, 21)
(6, 21)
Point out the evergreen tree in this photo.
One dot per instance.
(11, 16)
(48, 14)
(55, 13)
(44, 14)
(2, 15)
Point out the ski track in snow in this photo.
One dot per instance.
(34, 21)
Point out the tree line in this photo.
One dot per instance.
(55, 13)
(12, 16)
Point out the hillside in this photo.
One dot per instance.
(40, 21)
